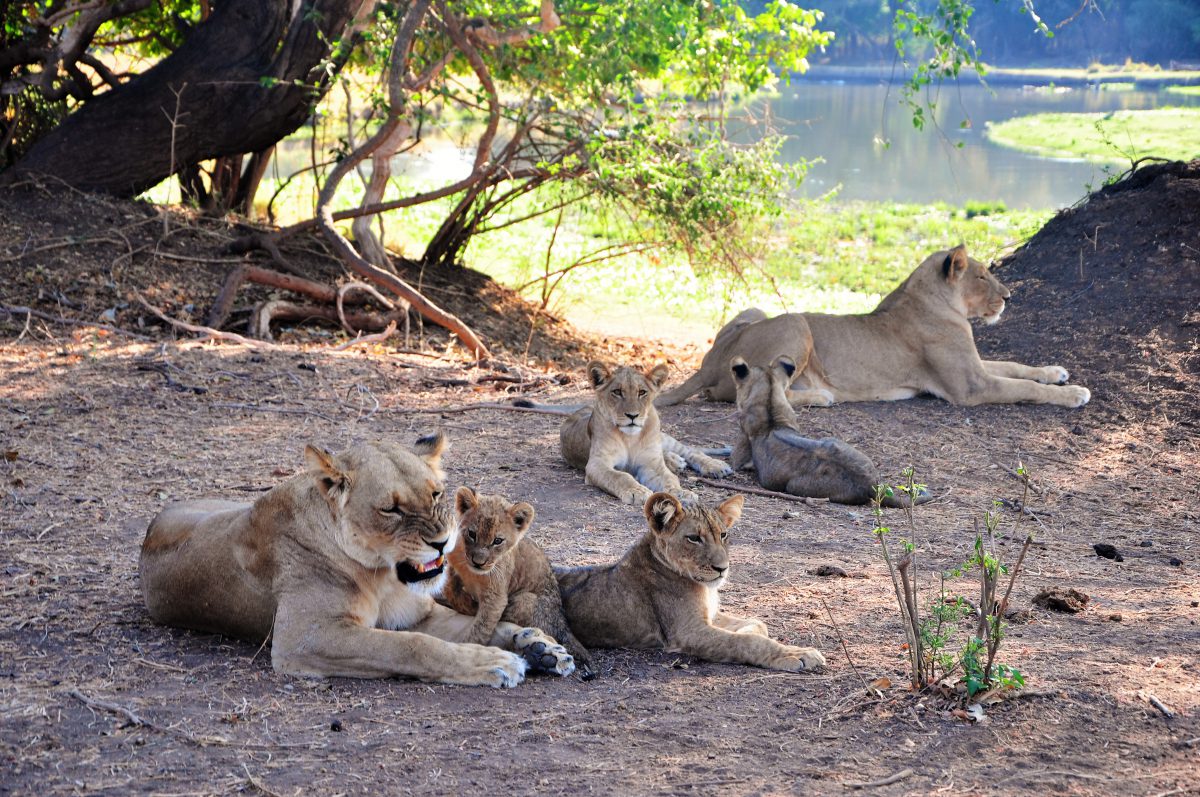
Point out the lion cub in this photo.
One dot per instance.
(783, 459)
(618, 442)
(497, 573)
(663, 593)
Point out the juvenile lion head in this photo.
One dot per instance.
(489, 526)
(981, 294)
(625, 397)
(762, 394)
(693, 540)
(388, 506)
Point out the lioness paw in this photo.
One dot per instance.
(542, 653)
(800, 659)
(1077, 396)
(497, 668)
(675, 462)
(714, 467)
(1055, 375)
(636, 497)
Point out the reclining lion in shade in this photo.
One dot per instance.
(918, 340)
(338, 566)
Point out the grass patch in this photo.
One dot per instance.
(1187, 91)
(1108, 137)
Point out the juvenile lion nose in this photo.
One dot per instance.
(631, 416)
(720, 570)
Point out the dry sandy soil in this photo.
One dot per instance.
(99, 430)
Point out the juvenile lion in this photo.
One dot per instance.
(783, 459)
(337, 565)
(497, 573)
(663, 593)
(618, 443)
(918, 340)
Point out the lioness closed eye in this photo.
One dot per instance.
(338, 565)
(663, 593)
(918, 340)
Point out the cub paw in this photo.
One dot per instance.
(635, 497)
(1055, 375)
(800, 659)
(675, 462)
(542, 653)
(713, 468)
(686, 496)
(1076, 396)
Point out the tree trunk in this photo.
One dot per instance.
(229, 89)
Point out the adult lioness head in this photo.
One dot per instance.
(971, 284)
(388, 506)
(692, 540)
(624, 396)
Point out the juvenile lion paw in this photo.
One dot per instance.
(1054, 375)
(797, 659)
(675, 462)
(636, 497)
(542, 653)
(713, 468)
(1076, 396)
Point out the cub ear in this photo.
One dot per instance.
(731, 509)
(330, 478)
(430, 448)
(465, 500)
(522, 516)
(662, 512)
(598, 373)
(658, 375)
(739, 368)
(956, 263)
(786, 365)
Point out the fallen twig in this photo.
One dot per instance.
(799, 499)
(845, 649)
(470, 407)
(870, 784)
(282, 410)
(378, 337)
(29, 311)
(232, 337)
(1161, 706)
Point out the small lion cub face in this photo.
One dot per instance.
(694, 540)
(489, 527)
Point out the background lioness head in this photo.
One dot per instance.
(387, 504)
(981, 294)
(693, 540)
(489, 526)
(625, 396)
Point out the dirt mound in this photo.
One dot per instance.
(1114, 286)
(82, 257)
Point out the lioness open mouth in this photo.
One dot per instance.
(407, 572)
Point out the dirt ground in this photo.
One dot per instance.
(99, 430)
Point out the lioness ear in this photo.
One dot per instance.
(785, 364)
(522, 516)
(956, 263)
(658, 374)
(739, 368)
(465, 500)
(430, 448)
(662, 512)
(598, 373)
(330, 478)
(731, 510)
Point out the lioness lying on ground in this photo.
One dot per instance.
(918, 340)
(617, 441)
(663, 593)
(498, 573)
(337, 565)
(783, 459)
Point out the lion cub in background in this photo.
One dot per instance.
(496, 573)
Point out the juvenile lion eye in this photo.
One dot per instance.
(619, 393)
(724, 535)
(498, 541)
(471, 536)
(694, 538)
(641, 393)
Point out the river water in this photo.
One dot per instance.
(842, 122)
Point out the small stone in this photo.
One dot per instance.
(336, 726)
(828, 570)
(1147, 543)
(1176, 561)
(1195, 604)
(1115, 617)
(1108, 551)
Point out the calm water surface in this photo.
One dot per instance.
(840, 123)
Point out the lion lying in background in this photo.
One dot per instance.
(337, 565)
(918, 340)
(663, 593)
(786, 461)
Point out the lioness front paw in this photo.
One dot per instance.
(542, 653)
(1076, 396)
(796, 659)
(714, 468)
(488, 666)
(636, 497)
(1054, 375)
(675, 462)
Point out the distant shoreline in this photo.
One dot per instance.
(1001, 76)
